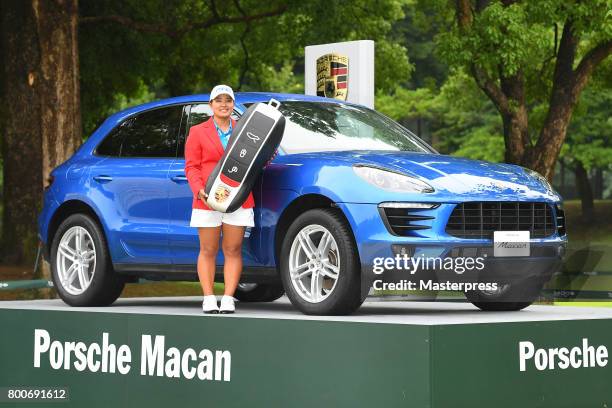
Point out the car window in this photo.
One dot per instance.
(111, 145)
(321, 126)
(196, 114)
(153, 133)
(201, 112)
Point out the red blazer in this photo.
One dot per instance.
(203, 150)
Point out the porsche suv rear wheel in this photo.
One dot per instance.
(320, 265)
(258, 292)
(80, 264)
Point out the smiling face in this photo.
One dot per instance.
(222, 106)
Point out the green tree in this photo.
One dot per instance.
(416, 33)
(131, 50)
(525, 54)
(41, 126)
(460, 120)
(589, 143)
(187, 46)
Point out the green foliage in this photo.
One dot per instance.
(123, 63)
(590, 133)
(408, 104)
(281, 80)
(468, 114)
(482, 145)
(462, 121)
(122, 66)
(522, 39)
(521, 36)
(589, 136)
(416, 33)
(391, 65)
(502, 38)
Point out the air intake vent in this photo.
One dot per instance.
(401, 221)
(560, 220)
(480, 219)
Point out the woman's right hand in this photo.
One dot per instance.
(202, 195)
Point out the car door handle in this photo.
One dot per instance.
(179, 179)
(103, 179)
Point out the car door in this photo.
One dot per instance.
(131, 185)
(184, 242)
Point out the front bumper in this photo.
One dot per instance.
(375, 242)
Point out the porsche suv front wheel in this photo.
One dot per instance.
(320, 265)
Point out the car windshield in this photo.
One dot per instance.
(320, 127)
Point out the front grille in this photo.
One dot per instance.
(481, 219)
(402, 221)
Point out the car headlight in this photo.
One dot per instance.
(540, 177)
(389, 180)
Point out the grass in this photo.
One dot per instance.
(585, 304)
(149, 289)
(146, 289)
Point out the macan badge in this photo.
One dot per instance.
(332, 76)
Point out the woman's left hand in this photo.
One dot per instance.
(202, 195)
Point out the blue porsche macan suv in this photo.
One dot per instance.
(348, 186)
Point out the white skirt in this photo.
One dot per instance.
(243, 217)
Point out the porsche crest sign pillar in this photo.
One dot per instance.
(343, 71)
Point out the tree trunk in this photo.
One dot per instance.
(514, 116)
(43, 126)
(543, 156)
(586, 193)
(599, 184)
(515, 133)
(22, 144)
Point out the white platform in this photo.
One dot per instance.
(372, 311)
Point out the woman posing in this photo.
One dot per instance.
(204, 147)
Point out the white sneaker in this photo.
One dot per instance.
(227, 304)
(210, 304)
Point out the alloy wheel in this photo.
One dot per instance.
(76, 260)
(314, 264)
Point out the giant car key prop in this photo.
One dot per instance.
(252, 144)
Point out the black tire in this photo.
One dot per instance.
(260, 293)
(345, 297)
(106, 285)
(516, 297)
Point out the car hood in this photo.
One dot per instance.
(451, 176)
